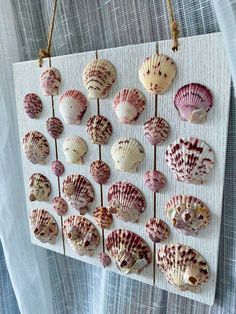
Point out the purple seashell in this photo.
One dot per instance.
(157, 230)
(33, 105)
(50, 80)
(58, 168)
(60, 205)
(154, 180)
(54, 127)
(104, 259)
(156, 130)
(100, 171)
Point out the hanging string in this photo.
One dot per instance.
(174, 27)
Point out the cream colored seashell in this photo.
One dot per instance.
(74, 148)
(50, 80)
(39, 188)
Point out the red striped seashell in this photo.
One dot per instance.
(103, 217)
(50, 80)
(157, 230)
(33, 105)
(156, 130)
(100, 171)
(154, 180)
(99, 129)
(104, 259)
(54, 127)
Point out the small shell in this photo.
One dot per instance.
(128, 104)
(39, 188)
(100, 171)
(154, 180)
(59, 205)
(156, 130)
(182, 266)
(81, 234)
(157, 73)
(98, 77)
(58, 168)
(44, 226)
(99, 129)
(33, 105)
(36, 147)
(130, 251)
(104, 259)
(187, 213)
(193, 101)
(190, 159)
(74, 148)
(127, 154)
(103, 217)
(72, 106)
(50, 80)
(157, 230)
(126, 201)
(54, 127)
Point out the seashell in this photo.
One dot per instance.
(103, 217)
(182, 266)
(59, 205)
(157, 230)
(33, 105)
(36, 147)
(39, 188)
(154, 180)
(156, 130)
(72, 106)
(50, 80)
(74, 148)
(81, 234)
(193, 101)
(104, 259)
(98, 77)
(157, 73)
(100, 171)
(58, 168)
(44, 226)
(127, 154)
(190, 159)
(128, 104)
(126, 201)
(54, 127)
(187, 213)
(130, 251)
(99, 129)
(78, 192)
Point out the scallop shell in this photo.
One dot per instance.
(104, 259)
(72, 106)
(78, 192)
(39, 188)
(36, 147)
(127, 154)
(98, 77)
(33, 105)
(156, 130)
(128, 104)
(157, 73)
(100, 171)
(182, 266)
(99, 129)
(103, 217)
(154, 180)
(74, 148)
(58, 168)
(190, 159)
(50, 80)
(126, 201)
(54, 127)
(193, 101)
(59, 205)
(157, 230)
(81, 234)
(130, 251)
(187, 213)
(44, 226)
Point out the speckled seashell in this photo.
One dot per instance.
(54, 127)
(99, 129)
(182, 266)
(98, 77)
(39, 188)
(103, 217)
(100, 171)
(44, 226)
(190, 159)
(36, 147)
(78, 192)
(59, 205)
(157, 230)
(128, 104)
(81, 234)
(104, 259)
(50, 80)
(193, 101)
(72, 106)
(74, 148)
(156, 130)
(187, 213)
(126, 201)
(33, 105)
(157, 73)
(127, 154)
(129, 250)
(154, 180)
(58, 168)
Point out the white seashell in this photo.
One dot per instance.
(33, 105)
(99, 129)
(156, 130)
(50, 80)
(36, 147)
(39, 188)
(74, 148)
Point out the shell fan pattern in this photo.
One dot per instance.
(33, 105)
(39, 188)
(154, 180)
(54, 127)
(100, 171)
(74, 149)
(156, 130)
(50, 81)
(59, 205)
(99, 129)
(103, 217)
(157, 230)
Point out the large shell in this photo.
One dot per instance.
(59, 205)
(39, 188)
(182, 266)
(44, 226)
(157, 230)
(36, 147)
(103, 217)
(156, 130)
(81, 234)
(50, 80)
(104, 259)
(98, 77)
(190, 159)
(99, 129)
(72, 106)
(193, 101)
(126, 201)
(129, 250)
(154, 180)
(54, 127)
(187, 213)
(127, 154)
(100, 171)
(58, 168)
(33, 105)
(128, 104)
(78, 192)
(74, 148)
(157, 73)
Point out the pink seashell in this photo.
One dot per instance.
(33, 105)
(58, 168)
(36, 147)
(103, 217)
(154, 180)
(100, 171)
(39, 188)
(54, 127)
(59, 205)
(50, 80)
(157, 230)
(156, 130)
(104, 259)
(99, 129)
